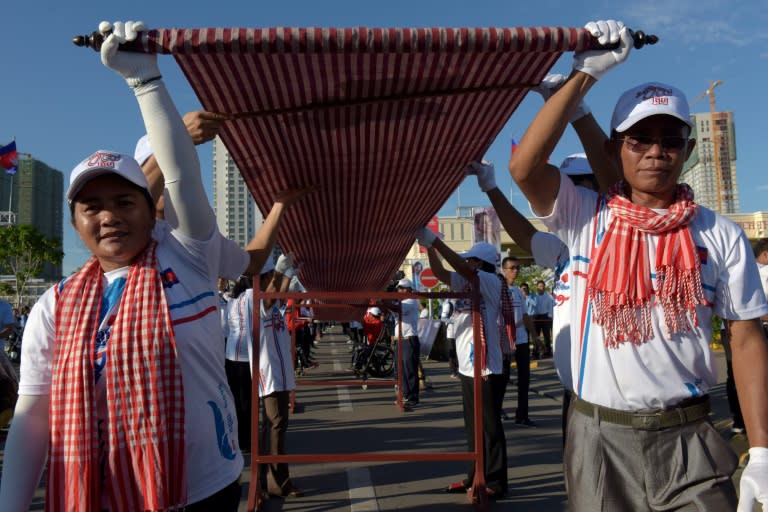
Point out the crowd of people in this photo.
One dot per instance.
(125, 366)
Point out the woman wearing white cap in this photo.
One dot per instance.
(477, 267)
(123, 385)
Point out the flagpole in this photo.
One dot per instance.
(10, 195)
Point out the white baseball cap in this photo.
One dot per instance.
(405, 283)
(483, 251)
(375, 311)
(649, 99)
(576, 165)
(105, 162)
(143, 150)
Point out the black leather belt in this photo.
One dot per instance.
(687, 411)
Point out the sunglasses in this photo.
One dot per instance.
(642, 143)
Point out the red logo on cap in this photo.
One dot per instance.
(653, 91)
(102, 159)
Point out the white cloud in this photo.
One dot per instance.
(700, 21)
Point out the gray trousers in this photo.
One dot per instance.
(612, 467)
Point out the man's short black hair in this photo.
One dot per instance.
(761, 246)
(509, 258)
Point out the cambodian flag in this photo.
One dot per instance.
(9, 157)
(513, 147)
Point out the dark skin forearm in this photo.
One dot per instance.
(515, 224)
(594, 139)
(539, 181)
(750, 369)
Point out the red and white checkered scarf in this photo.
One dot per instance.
(144, 462)
(508, 316)
(619, 284)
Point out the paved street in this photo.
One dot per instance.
(352, 420)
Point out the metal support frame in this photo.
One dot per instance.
(478, 495)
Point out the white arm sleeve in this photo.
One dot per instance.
(176, 155)
(26, 450)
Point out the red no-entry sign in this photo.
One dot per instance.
(428, 279)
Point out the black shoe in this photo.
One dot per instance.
(525, 422)
(411, 403)
(504, 415)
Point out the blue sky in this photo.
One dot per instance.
(61, 104)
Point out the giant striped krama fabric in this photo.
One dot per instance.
(382, 121)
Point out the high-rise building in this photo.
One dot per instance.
(34, 196)
(711, 169)
(237, 215)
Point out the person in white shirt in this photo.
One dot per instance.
(145, 302)
(510, 269)
(410, 344)
(651, 267)
(476, 269)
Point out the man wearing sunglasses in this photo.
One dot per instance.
(650, 267)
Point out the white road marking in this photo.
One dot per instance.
(345, 402)
(362, 495)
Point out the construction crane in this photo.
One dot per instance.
(710, 92)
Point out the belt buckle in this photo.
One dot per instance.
(650, 421)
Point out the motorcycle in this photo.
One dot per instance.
(377, 360)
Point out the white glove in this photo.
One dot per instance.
(754, 481)
(597, 62)
(551, 84)
(486, 175)
(284, 265)
(426, 237)
(137, 68)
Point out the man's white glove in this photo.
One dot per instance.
(426, 237)
(754, 481)
(597, 62)
(137, 68)
(486, 175)
(284, 265)
(551, 84)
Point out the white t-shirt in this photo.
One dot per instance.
(189, 269)
(410, 308)
(490, 293)
(446, 315)
(670, 367)
(518, 303)
(275, 356)
(550, 252)
(239, 314)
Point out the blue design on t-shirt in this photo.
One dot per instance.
(693, 389)
(225, 447)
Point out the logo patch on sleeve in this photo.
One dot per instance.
(169, 278)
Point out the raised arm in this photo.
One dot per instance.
(202, 127)
(592, 137)
(260, 246)
(515, 224)
(428, 239)
(539, 182)
(173, 147)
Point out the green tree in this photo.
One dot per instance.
(24, 250)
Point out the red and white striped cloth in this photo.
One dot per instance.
(145, 459)
(382, 120)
